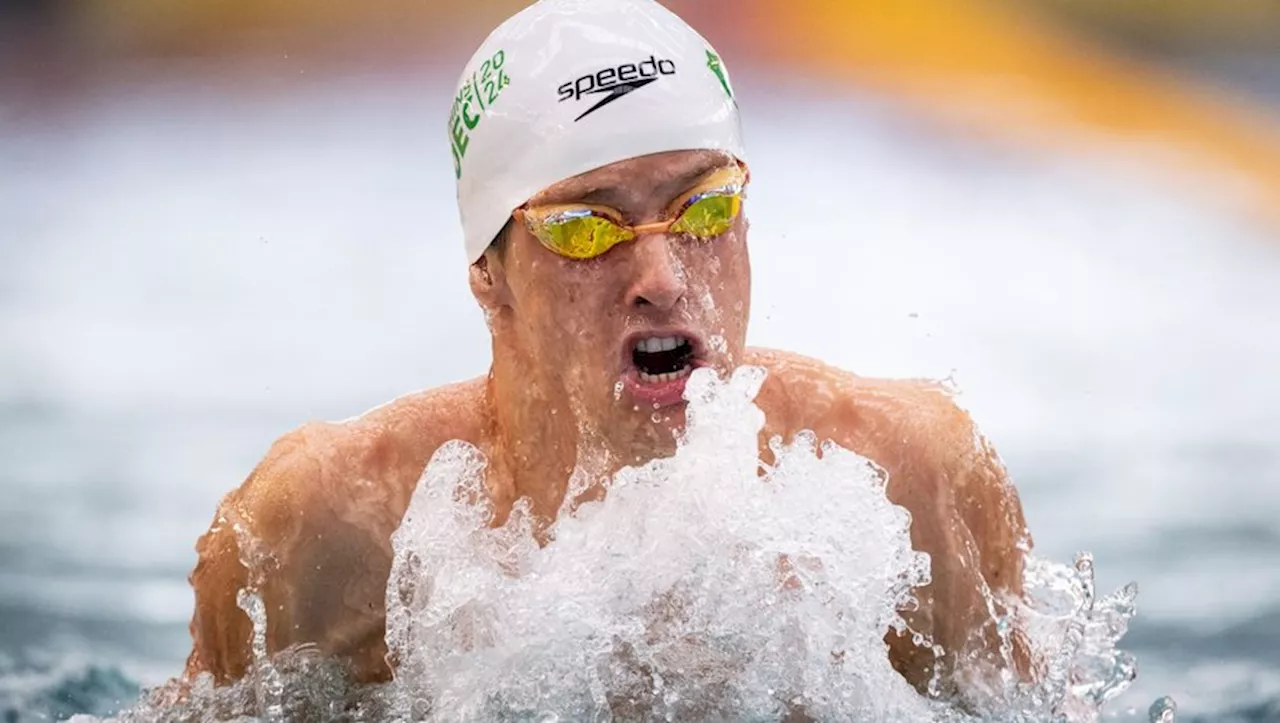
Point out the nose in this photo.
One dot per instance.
(658, 277)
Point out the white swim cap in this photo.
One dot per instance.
(566, 86)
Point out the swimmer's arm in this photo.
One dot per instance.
(220, 638)
(978, 541)
(966, 515)
(988, 505)
(321, 577)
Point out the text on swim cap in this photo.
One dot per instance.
(477, 93)
(617, 81)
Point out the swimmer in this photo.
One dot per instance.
(601, 181)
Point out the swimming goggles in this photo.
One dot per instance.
(585, 231)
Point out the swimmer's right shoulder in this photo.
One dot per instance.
(388, 446)
(321, 507)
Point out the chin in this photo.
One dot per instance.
(638, 436)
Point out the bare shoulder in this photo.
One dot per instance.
(808, 393)
(965, 512)
(359, 469)
(912, 427)
(310, 530)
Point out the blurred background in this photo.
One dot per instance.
(222, 218)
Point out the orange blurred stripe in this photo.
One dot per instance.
(1003, 71)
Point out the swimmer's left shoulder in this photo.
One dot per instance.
(822, 395)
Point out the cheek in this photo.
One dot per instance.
(720, 290)
(737, 260)
(723, 270)
(564, 301)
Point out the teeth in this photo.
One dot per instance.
(659, 343)
(668, 377)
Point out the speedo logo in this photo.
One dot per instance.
(615, 82)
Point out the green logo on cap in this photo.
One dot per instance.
(477, 93)
(717, 67)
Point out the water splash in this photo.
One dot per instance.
(266, 678)
(695, 588)
(1074, 635)
(718, 344)
(703, 586)
(268, 685)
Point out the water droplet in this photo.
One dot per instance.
(1163, 710)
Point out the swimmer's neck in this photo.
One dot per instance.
(534, 440)
(532, 437)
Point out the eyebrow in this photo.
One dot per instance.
(615, 196)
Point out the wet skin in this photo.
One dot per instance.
(323, 504)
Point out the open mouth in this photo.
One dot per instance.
(662, 358)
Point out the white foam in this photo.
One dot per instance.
(666, 599)
(667, 596)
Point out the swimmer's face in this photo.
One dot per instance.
(600, 331)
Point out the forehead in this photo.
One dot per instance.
(659, 175)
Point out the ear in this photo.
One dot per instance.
(488, 280)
